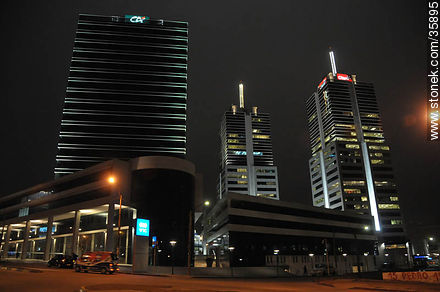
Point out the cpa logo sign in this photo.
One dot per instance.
(142, 227)
(137, 19)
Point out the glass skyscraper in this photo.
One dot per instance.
(350, 168)
(126, 92)
(246, 157)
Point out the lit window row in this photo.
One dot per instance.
(316, 148)
(372, 128)
(237, 169)
(333, 186)
(351, 146)
(319, 201)
(370, 115)
(233, 141)
(394, 199)
(233, 135)
(236, 176)
(266, 195)
(345, 126)
(256, 131)
(396, 222)
(375, 141)
(376, 154)
(354, 183)
(261, 136)
(376, 147)
(358, 206)
(352, 191)
(388, 206)
(236, 147)
(377, 161)
(383, 183)
(346, 139)
(377, 135)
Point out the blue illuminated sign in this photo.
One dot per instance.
(154, 241)
(44, 229)
(142, 227)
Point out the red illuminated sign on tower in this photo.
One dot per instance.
(322, 83)
(343, 77)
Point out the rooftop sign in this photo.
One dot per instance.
(136, 18)
(343, 77)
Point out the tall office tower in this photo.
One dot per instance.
(126, 92)
(246, 162)
(350, 168)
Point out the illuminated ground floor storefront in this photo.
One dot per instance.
(92, 228)
(84, 211)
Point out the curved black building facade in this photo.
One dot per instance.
(162, 190)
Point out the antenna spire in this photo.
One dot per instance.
(240, 90)
(332, 61)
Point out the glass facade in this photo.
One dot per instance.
(350, 168)
(126, 92)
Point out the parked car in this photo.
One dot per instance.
(62, 261)
(104, 262)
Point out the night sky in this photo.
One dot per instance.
(278, 48)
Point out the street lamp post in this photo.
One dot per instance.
(231, 259)
(190, 232)
(276, 252)
(173, 243)
(112, 180)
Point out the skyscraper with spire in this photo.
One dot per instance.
(246, 157)
(350, 168)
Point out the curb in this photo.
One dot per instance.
(19, 269)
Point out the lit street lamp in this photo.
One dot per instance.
(231, 249)
(191, 231)
(173, 243)
(112, 180)
(276, 252)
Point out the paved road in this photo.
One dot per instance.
(67, 280)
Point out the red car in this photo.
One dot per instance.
(100, 261)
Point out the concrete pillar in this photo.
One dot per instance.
(6, 244)
(140, 254)
(92, 243)
(64, 244)
(109, 239)
(48, 238)
(76, 222)
(24, 246)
